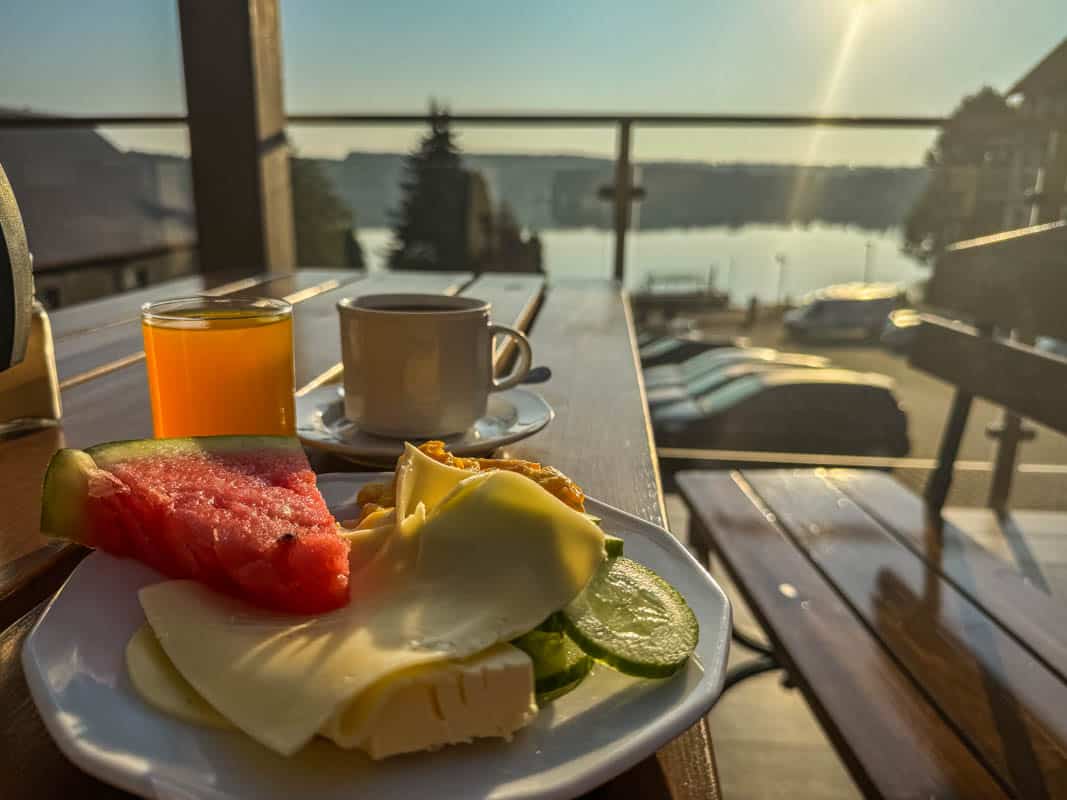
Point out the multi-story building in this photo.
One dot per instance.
(1039, 163)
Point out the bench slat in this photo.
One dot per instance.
(894, 743)
(1006, 703)
(1010, 596)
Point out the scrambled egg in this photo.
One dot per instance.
(375, 498)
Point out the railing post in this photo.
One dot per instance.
(1009, 434)
(623, 195)
(240, 158)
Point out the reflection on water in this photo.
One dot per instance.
(744, 259)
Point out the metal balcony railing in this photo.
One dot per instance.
(622, 193)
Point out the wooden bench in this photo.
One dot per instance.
(935, 660)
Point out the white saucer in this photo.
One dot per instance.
(511, 415)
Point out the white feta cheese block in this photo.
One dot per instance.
(425, 708)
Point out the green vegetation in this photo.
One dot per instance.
(429, 228)
(324, 224)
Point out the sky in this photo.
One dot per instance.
(878, 57)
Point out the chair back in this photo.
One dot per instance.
(993, 299)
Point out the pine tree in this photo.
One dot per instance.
(324, 225)
(429, 228)
(971, 145)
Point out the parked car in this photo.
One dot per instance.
(710, 361)
(845, 310)
(673, 349)
(715, 379)
(900, 330)
(791, 410)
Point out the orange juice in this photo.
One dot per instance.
(218, 366)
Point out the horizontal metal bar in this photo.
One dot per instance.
(832, 460)
(612, 119)
(120, 120)
(532, 119)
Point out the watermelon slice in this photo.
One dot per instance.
(239, 513)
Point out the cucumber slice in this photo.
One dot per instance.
(557, 661)
(631, 619)
(613, 544)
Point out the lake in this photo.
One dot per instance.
(744, 259)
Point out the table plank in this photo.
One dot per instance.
(899, 747)
(72, 320)
(1011, 596)
(601, 437)
(95, 349)
(514, 300)
(1007, 704)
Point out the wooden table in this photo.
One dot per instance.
(601, 436)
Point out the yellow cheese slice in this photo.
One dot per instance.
(492, 561)
(421, 479)
(161, 685)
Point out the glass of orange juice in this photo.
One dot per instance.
(220, 366)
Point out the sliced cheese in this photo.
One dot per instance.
(490, 694)
(421, 479)
(161, 685)
(497, 557)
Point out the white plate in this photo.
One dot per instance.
(511, 415)
(74, 665)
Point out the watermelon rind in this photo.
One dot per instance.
(67, 480)
(66, 485)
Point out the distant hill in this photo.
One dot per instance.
(560, 191)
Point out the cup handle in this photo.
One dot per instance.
(525, 357)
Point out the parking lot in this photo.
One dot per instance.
(1042, 480)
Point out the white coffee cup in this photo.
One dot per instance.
(421, 365)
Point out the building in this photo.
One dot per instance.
(98, 219)
(1000, 162)
(1040, 157)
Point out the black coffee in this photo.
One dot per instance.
(427, 309)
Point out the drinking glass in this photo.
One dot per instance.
(219, 366)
